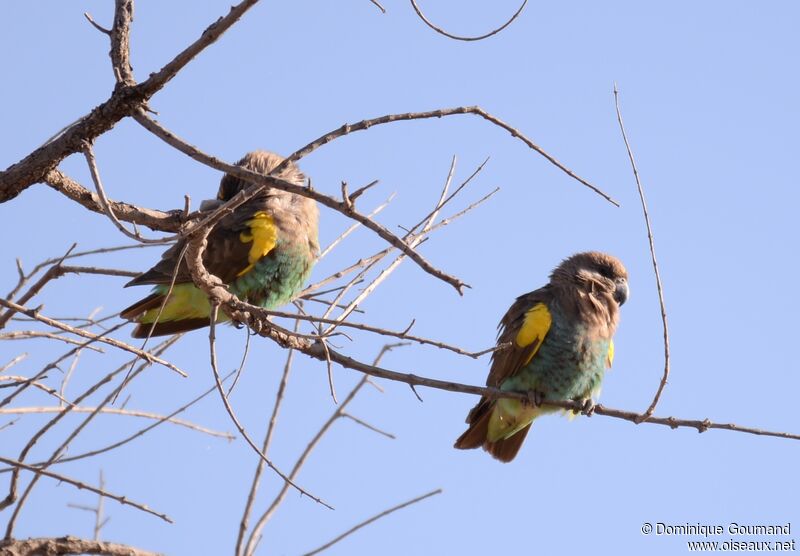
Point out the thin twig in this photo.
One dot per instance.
(659, 287)
(64, 479)
(77, 331)
(372, 519)
(25, 277)
(354, 226)
(273, 420)
(88, 153)
(461, 38)
(43, 372)
(143, 431)
(262, 181)
(51, 274)
(368, 426)
(31, 334)
(12, 494)
(377, 4)
(14, 361)
(240, 369)
(232, 415)
(96, 25)
(346, 129)
(117, 411)
(404, 335)
(99, 522)
(255, 534)
(18, 380)
(411, 240)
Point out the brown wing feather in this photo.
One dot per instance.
(225, 255)
(168, 327)
(507, 362)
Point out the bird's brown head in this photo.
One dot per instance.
(296, 214)
(592, 282)
(261, 162)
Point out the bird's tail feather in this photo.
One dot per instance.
(167, 328)
(506, 449)
(477, 435)
(163, 327)
(478, 420)
(152, 301)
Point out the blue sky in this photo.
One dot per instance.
(709, 94)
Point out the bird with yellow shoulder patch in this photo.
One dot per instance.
(559, 344)
(263, 250)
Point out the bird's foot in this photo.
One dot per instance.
(535, 398)
(588, 407)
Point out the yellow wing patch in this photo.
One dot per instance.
(610, 360)
(263, 233)
(534, 328)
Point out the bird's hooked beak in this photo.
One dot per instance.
(621, 291)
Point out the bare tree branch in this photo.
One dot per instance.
(346, 129)
(117, 411)
(65, 546)
(461, 38)
(273, 419)
(237, 424)
(263, 181)
(120, 42)
(169, 221)
(83, 486)
(123, 102)
(338, 413)
(88, 153)
(659, 287)
(373, 519)
(77, 331)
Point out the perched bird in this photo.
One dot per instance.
(263, 251)
(560, 344)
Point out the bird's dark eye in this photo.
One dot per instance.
(606, 272)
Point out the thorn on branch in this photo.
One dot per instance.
(348, 203)
(360, 191)
(96, 25)
(377, 4)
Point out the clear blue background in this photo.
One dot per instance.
(710, 98)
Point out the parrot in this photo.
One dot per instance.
(559, 342)
(263, 251)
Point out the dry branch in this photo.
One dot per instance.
(64, 546)
(116, 411)
(169, 221)
(373, 519)
(651, 242)
(124, 101)
(83, 486)
(467, 39)
(94, 337)
(261, 181)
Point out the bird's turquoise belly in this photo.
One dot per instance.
(275, 279)
(567, 365)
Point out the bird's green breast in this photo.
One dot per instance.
(275, 279)
(570, 363)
